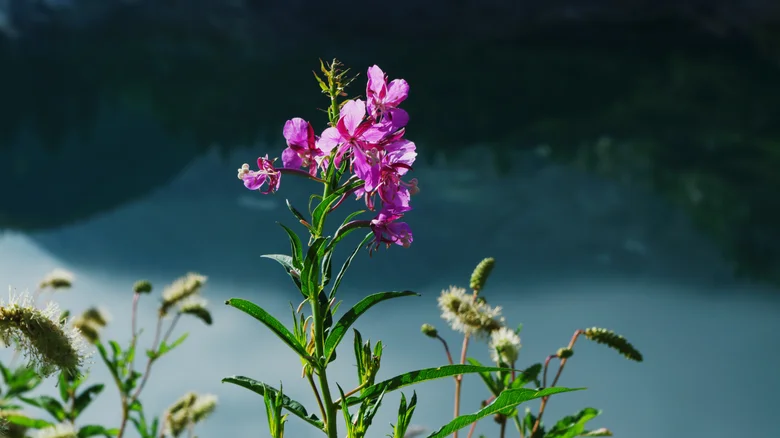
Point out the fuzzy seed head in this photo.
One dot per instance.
(180, 289)
(504, 346)
(467, 315)
(203, 407)
(62, 430)
(57, 279)
(41, 335)
(196, 306)
(99, 317)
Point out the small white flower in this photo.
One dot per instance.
(504, 346)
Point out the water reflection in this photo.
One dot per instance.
(615, 186)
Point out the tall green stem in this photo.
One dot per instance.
(319, 344)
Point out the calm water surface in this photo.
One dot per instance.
(131, 194)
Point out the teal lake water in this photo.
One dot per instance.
(637, 193)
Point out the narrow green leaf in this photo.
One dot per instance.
(295, 212)
(295, 246)
(346, 320)
(487, 377)
(32, 423)
(49, 404)
(287, 263)
(530, 374)
(85, 398)
(165, 347)
(96, 430)
(269, 321)
(63, 385)
(507, 399)
(418, 376)
(311, 268)
(293, 406)
(571, 426)
(318, 215)
(346, 264)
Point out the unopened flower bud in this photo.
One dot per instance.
(481, 273)
(429, 330)
(142, 287)
(565, 353)
(196, 306)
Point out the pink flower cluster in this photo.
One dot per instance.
(370, 135)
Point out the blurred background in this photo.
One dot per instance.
(619, 159)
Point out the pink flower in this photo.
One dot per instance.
(387, 231)
(352, 130)
(382, 172)
(254, 179)
(302, 150)
(383, 98)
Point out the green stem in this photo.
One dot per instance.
(319, 344)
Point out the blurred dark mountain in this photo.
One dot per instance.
(106, 100)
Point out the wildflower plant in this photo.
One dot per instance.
(361, 153)
(469, 314)
(54, 342)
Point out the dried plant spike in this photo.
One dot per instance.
(62, 430)
(41, 335)
(9, 429)
(142, 287)
(57, 279)
(481, 274)
(429, 330)
(610, 339)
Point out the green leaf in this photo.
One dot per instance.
(487, 378)
(287, 263)
(85, 398)
(602, 431)
(31, 423)
(418, 376)
(96, 430)
(165, 348)
(571, 426)
(269, 321)
(507, 399)
(346, 320)
(293, 406)
(49, 404)
(21, 380)
(319, 213)
(296, 213)
(346, 264)
(528, 375)
(311, 269)
(63, 385)
(295, 246)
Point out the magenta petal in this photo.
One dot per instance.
(352, 114)
(329, 139)
(376, 80)
(291, 159)
(254, 180)
(397, 92)
(296, 132)
(398, 117)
